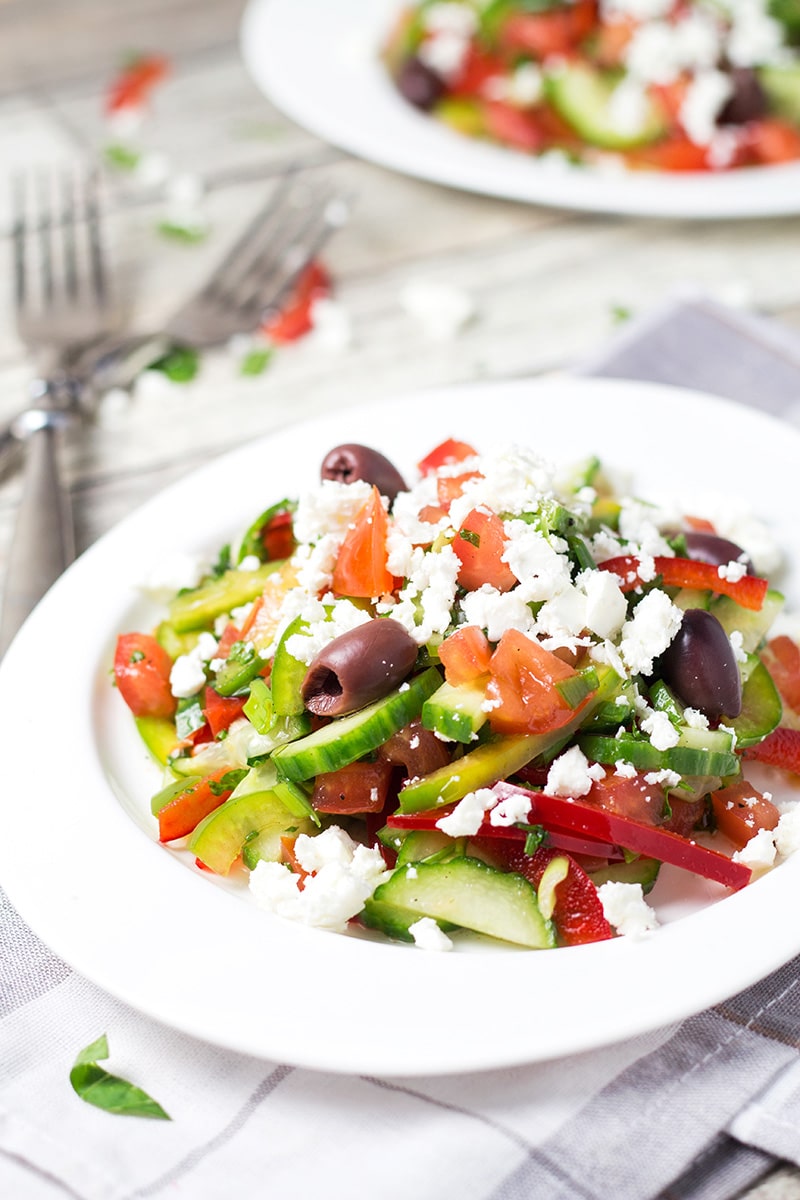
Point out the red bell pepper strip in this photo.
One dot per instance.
(513, 834)
(134, 84)
(781, 748)
(749, 591)
(200, 797)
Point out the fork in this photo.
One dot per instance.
(63, 303)
(251, 282)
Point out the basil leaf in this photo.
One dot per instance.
(97, 1086)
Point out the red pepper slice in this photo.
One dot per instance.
(570, 843)
(749, 591)
(200, 797)
(781, 748)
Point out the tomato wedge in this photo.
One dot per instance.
(522, 687)
(742, 810)
(141, 672)
(360, 787)
(781, 748)
(479, 545)
(361, 568)
(781, 657)
(221, 711)
(465, 654)
(749, 591)
(445, 454)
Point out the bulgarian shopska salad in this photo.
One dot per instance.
(670, 85)
(496, 700)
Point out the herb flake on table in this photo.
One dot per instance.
(95, 1085)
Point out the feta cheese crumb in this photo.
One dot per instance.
(467, 817)
(759, 852)
(428, 936)
(649, 631)
(663, 734)
(787, 833)
(626, 909)
(571, 775)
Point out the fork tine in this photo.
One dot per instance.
(68, 233)
(44, 225)
(19, 233)
(97, 259)
(226, 274)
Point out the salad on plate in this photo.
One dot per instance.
(497, 700)
(665, 85)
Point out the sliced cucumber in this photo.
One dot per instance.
(640, 870)
(393, 921)
(473, 895)
(159, 736)
(753, 626)
(585, 99)
(241, 667)
(456, 711)
(288, 674)
(761, 704)
(698, 752)
(422, 843)
(220, 837)
(686, 598)
(349, 738)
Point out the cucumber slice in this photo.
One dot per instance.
(640, 870)
(686, 598)
(473, 895)
(761, 704)
(198, 608)
(220, 837)
(584, 98)
(241, 667)
(698, 752)
(159, 736)
(393, 921)
(456, 712)
(422, 843)
(288, 674)
(349, 738)
(753, 626)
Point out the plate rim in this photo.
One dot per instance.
(452, 160)
(93, 948)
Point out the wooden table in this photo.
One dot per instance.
(547, 285)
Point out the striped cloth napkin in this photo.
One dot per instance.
(699, 1110)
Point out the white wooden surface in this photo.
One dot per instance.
(545, 283)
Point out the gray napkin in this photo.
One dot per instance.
(696, 1111)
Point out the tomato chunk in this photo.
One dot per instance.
(360, 787)
(294, 319)
(141, 671)
(479, 545)
(781, 657)
(522, 687)
(361, 568)
(742, 810)
(221, 711)
(446, 453)
(781, 748)
(465, 654)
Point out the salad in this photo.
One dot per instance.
(495, 699)
(669, 85)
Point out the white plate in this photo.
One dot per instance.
(79, 855)
(317, 60)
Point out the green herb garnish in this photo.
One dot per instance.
(96, 1086)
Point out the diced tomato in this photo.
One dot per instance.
(221, 711)
(476, 68)
(465, 654)
(230, 634)
(133, 86)
(360, 787)
(361, 568)
(445, 454)
(699, 524)
(578, 914)
(450, 487)
(512, 126)
(431, 514)
(294, 318)
(749, 591)
(781, 657)
(742, 810)
(479, 545)
(417, 749)
(141, 672)
(611, 41)
(781, 748)
(675, 153)
(200, 797)
(522, 687)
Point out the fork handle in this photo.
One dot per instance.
(43, 544)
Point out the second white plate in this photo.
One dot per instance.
(318, 61)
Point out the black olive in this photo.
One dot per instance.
(748, 100)
(418, 84)
(351, 461)
(708, 547)
(700, 665)
(358, 667)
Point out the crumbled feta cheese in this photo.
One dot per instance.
(250, 562)
(626, 909)
(625, 770)
(787, 832)
(467, 817)
(428, 936)
(662, 733)
(345, 874)
(759, 852)
(649, 631)
(514, 807)
(571, 774)
(188, 674)
(705, 98)
(732, 571)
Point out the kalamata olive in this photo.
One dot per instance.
(417, 749)
(700, 665)
(708, 547)
(352, 461)
(420, 86)
(357, 667)
(748, 100)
